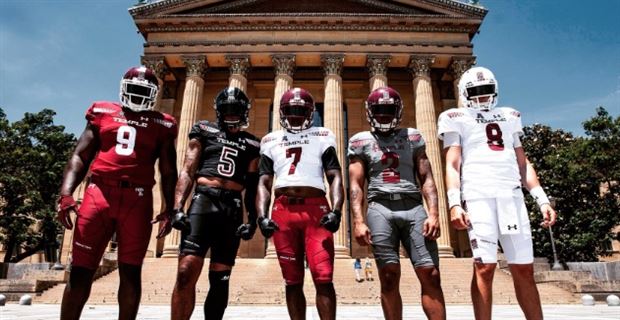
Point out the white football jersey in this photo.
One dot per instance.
(297, 156)
(489, 164)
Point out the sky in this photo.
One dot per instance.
(555, 60)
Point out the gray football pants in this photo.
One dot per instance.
(394, 221)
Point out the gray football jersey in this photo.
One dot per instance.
(389, 161)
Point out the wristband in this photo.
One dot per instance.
(539, 195)
(454, 198)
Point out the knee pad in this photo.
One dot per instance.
(217, 298)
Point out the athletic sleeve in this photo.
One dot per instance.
(265, 166)
(173, 131)
(329, 141)
(516, 119)
(330, 159)
(446, 122)
(416, 141)
(197, 131)
(92, 116)
(451, 139)
(355, 148)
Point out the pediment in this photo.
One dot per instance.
(178, 8)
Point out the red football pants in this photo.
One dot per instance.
(300, 232)
(106, 209)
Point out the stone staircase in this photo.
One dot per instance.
(259, 282)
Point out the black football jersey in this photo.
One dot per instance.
(224, 155)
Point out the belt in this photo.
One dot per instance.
(115, 182)
(397, 196)
(300, 200)
(217, 192)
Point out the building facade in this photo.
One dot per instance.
(338, 50)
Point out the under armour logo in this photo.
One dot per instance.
(514, 226)
(140, 191)
(144, 119)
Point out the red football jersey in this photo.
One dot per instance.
(130, 141)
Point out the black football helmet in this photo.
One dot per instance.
(232, 108)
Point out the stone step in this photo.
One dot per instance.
(259, 281)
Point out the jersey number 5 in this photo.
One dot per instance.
(125, 140)
(296, 154)
(494, 136)
(390, 174)
(226, 167)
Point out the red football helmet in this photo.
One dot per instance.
(296, 109)
(384, 109)
(139, 88)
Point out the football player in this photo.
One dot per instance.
(221, 161)
(302, 221)
(392, 160)
(485, 168)
(120, 145)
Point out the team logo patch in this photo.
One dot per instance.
(164, 123)
(480, 76)
(474, 243)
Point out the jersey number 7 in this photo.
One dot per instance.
(296, 154)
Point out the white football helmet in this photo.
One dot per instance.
(475, 85)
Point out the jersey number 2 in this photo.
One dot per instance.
(390, 174)
(125, 140)
(494, 136)
(226, 167)
(296, 154)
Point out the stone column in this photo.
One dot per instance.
(377, 69)
(192, 101)
(459, 65)
(426, 121)
(239, 67)
(333, 118)
(158, 65)
(284, 67)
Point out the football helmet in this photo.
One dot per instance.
(232, 108)
(296, 109)
(384, 109)
(475, 84)
(139, 87)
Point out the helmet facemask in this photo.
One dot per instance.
(478, 89)
(137, 92)
(234, 115)
(296, 110)
(232, 108)
(384, 109)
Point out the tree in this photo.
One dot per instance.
(33, 153)
(582, 175)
